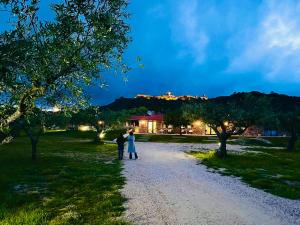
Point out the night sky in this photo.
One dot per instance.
(211, 47)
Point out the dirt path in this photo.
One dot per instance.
(165, 186)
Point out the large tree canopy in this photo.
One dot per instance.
(50, 62)
(231, 115)
(177, 118)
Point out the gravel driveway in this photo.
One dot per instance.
(165, 186)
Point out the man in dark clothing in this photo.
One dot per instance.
(121, 141)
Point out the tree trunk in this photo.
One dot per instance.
(34, 139)
(292, 142)
(31, 94)
(222, 151)
(34, 149)
(97, 139)
(180, 131)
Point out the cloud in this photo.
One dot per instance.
(187, 32)
(273, 46)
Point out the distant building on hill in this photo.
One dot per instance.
(169, 96)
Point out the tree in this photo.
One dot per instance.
(50, 62)
(229, 116)
(33, 125)
(290, 121)
(105, 119)
(285, 117)
(57, 120)
(92, 116)
(117, 119)
(177, 119)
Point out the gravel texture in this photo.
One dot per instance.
(165, 186)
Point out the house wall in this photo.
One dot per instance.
(198, 127)
(143, 126)
(159, 127)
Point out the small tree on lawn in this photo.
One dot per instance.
(177, 119)
(37, 121)
(285, 117)
(92, 116)
(57, 120)
(117, 119)
(290, 121)
(33, 125)
(230, 116)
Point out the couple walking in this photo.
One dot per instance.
(131, 146)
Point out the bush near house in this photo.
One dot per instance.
(73, 181)
(111, 134)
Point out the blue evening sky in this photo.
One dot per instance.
(211, 47)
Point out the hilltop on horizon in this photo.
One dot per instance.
(169, 101)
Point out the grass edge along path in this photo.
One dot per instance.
(274, 171)
(209, 139)
(73, 182)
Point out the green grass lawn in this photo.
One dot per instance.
(73, 182)
(275, 171)
(252, 141)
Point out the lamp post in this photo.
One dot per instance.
(101, 123)
(100, 132)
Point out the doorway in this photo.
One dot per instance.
(151, 126)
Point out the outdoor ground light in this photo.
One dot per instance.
(101, 122)
(102, 135)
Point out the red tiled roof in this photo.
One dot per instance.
(156, 117)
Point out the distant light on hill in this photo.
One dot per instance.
(169, 96)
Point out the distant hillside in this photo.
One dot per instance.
(158, 105)
(279, 101)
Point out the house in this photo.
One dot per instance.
(150, 123)
(154, 123)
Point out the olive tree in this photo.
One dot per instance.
(117, 119)
(91, 115)
(177, 118)
(229, 116)
(33, 125)
(50, 62)
(290, 121)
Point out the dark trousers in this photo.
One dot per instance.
(135, 155)
(120, 153)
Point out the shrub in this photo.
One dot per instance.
(111, 134)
